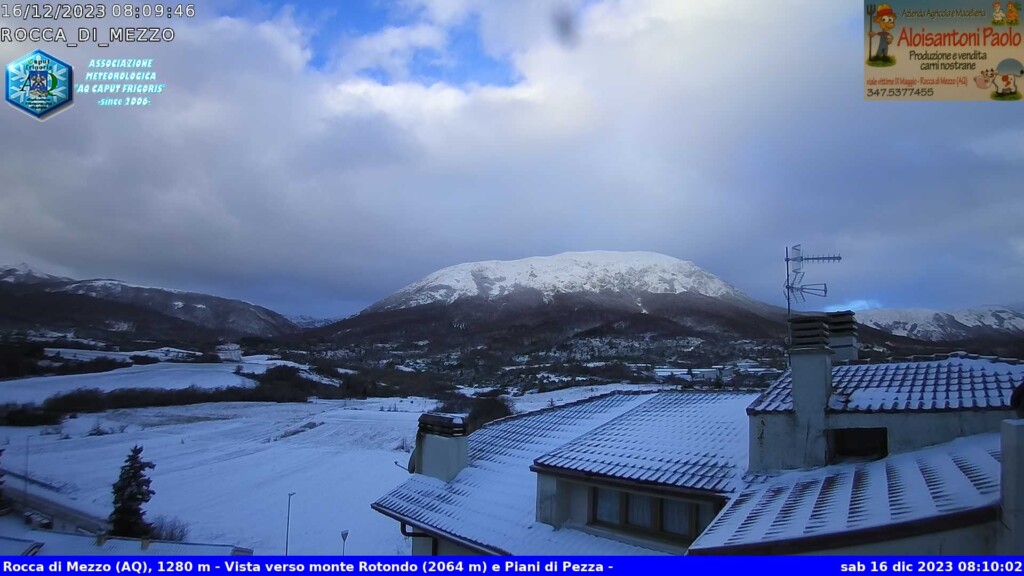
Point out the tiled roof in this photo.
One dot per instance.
(692, 440)
(925, 485)
(17, 546)
(492, 502)
(954, 382)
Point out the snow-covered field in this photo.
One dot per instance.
(226, 469)
(158, 353)
(169, 376)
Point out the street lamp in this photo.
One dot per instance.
(344, 538)
(288, 523)
(27, 438)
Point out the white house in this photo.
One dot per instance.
(919, 456)
(230, 352)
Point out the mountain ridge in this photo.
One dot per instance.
(565, 273)
(937, 325)
(189, 314)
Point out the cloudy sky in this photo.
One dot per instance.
(314, 158)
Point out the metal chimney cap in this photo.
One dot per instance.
(442, 424)
(809, 319)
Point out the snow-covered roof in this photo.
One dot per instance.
(68, 544)
(912, 490)
(956, 381)
(691, 440)
(17, 546)
(491, 504)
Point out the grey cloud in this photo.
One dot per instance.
(690, 132)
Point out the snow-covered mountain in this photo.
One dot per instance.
(214, 312)
(305, 321)
(25, 274)
(935, 325)
(140, 307)
(567, 273)
(548, 302)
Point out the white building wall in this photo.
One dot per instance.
(1012, 488)
(561, 502)
(778, 443)
(775, 444)
(422, 546)
(912, 431)
(448, 548)
(551, 506)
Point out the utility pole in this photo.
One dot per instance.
(27, 438)
(288, 524)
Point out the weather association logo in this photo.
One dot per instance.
(39, 84)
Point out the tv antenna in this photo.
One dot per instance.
(795, 288)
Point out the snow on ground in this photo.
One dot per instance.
(268, 360)
(163, 375)
(227, 468)
(158, 353)
(50, 336)
(563, 273)
(169, 376)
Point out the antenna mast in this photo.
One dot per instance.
(795, 289)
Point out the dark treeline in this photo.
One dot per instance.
(277, 384)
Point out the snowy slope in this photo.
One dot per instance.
(255, 454)
(934, 325)
(202, 309)
(304, 321)
(571, 272)
(25, 274)
(258, 453)
(165, 376)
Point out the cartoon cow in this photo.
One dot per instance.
(1006, 84)
(998, 17)
(984, 80)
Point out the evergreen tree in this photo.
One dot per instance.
(131, 491)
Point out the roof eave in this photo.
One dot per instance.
(615, 482)
(872, 535)
(438, 533)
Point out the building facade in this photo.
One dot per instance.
(917, 456)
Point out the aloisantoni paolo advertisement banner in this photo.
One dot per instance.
(944, 50)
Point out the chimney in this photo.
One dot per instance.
(144, 543)
(101, 538)
(842, 337)
(1012, 487)
(442, 448)
(810, 363)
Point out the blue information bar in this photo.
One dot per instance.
(463, 566)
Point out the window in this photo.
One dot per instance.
(846, 444)
(640, 510)
(607, 506)
(677, 517)
(667, 518)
